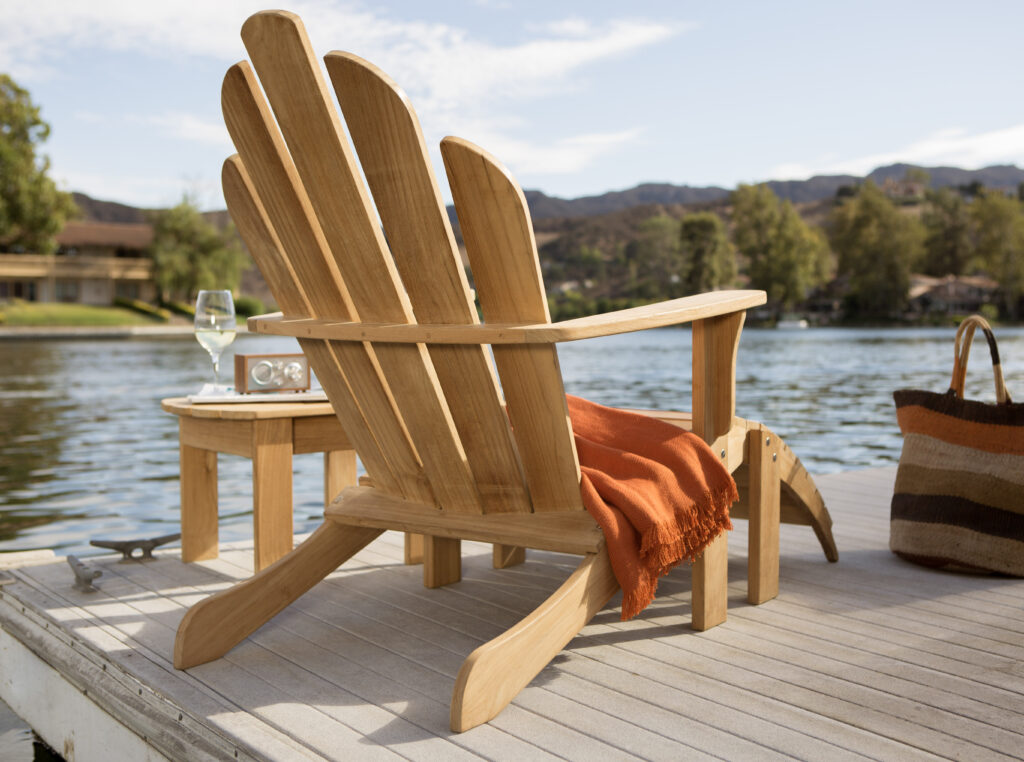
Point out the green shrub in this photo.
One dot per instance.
(990, 312)
(144, 308)
(247, 306)
(180, 308)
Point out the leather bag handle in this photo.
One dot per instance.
(965, 334)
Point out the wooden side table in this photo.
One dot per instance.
(269, 433)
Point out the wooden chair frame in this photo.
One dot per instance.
(391, 330)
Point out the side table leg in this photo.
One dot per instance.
(198, 503)
(272, 490)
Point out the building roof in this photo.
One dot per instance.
(925, 284)
(87, 233)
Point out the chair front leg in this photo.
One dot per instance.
(764, 498)
(715, 343)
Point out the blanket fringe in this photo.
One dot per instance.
(667, 544)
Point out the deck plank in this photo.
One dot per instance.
(868, 658)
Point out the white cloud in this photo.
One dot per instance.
(948, 147)
(564, 156)
(454, 78)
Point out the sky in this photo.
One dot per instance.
(576, 98)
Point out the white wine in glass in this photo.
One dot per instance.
(215, 326)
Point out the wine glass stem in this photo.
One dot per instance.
(216, 370)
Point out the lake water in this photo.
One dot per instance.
(86, 453)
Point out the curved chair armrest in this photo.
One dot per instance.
(672, 312)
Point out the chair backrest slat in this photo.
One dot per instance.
(390, 145)
(265, 247)
(295, 87)
(277, 186)
(502, 252)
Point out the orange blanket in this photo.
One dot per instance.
(657, 491)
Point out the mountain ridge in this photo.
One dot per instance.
(543, 206)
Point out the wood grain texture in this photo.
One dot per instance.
(872, 657)
(498, 670)
(394, 159)
(311, 127)
(228, 436)
(340, 472)
(198, 503)
(503, 255)
(319, 434)
(218, 623)
(686, 309)
(505, 556)
(715, 344)
(442, 561)
(272, 490)
(303, 281)
(246, 412)
(763, 542)
(711, 585)
(563, 531)
(412, 549)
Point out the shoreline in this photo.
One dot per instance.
(16, 333)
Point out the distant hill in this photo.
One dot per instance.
(108, 211)
(816, 188)
(111, 211)
(543, 206)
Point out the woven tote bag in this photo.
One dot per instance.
(959, 496)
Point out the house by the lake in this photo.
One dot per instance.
(951, 295)
(95, 263)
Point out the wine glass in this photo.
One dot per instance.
(215, 326)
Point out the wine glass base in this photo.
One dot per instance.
(215, 390)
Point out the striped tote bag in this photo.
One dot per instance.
(959, 496)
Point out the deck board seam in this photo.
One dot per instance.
(240, 663)
(218, 563)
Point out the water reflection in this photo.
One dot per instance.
(86, 452)
(828, 392)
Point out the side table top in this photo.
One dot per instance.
(240, 411)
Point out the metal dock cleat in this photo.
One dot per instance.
(84, 575)
(128, 547)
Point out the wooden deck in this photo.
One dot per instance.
(870, 657)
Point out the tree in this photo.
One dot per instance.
(948, 248)
(998, 231)
(876, 247)
(32, 210)
(785, 257)
(653, 263)
(190, 254)
(709, 259)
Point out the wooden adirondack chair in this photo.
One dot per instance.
(382, 309)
